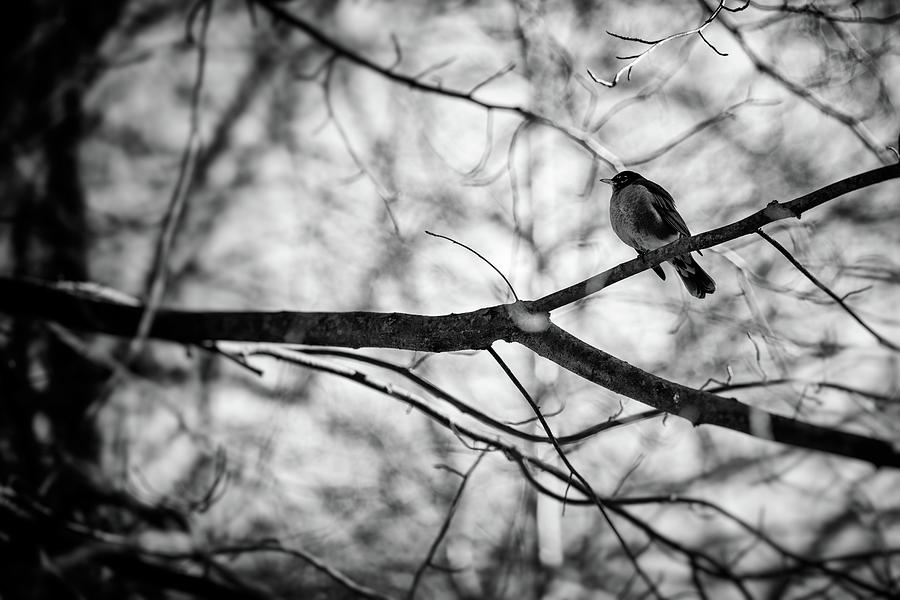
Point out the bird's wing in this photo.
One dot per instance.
(665, 204)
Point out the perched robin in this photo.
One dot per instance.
(643, 215)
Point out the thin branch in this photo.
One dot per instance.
(710, 565)
(182, 185)
(759, 316)
(488, 146)
(774, 211)
(726, 113)
(855, 125)
(646, 92)
(479, 255)
(511, 452)
(133, 566)
(269, 545)
(875, 397)
(584, 482)
(434, 67)
(513, 176)
(454, 504)
(387, 196)
(837, 299)
(710, 44)
(236, 358)
(465, 408)
(812, 10)
(705, 562)
(413, 81)
(496, 75)
(398, 53)
(653, 45)
(701, 407)
(416, 82)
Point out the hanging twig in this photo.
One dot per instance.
(654, 44)
(454, 504)
(182, 185)
(478, 254)
(837, 299)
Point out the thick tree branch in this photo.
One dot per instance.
(445, 333)
(523, 322)
(472, 330)
(697, 406)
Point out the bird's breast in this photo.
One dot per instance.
(636, 221)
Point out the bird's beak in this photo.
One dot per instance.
(609, 181)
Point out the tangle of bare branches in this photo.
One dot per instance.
(652, 45)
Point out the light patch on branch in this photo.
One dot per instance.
(761, 424)
(776, 211)
(527, 321)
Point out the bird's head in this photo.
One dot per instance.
(622, 179)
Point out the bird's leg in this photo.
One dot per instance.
(656, 268)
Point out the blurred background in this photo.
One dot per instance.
(221, 154)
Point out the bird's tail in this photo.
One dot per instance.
(696, 280)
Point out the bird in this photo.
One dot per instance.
(643, 215)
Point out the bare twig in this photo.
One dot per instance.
(651, 586)
(488, 146)
(479, 255)
(855, 125)
(413, 81)
(416, 82)
(454, 504)
(811, 9)
(875, 397)
(182, 185)
(646, 92)
(653, 45)
(494, 76)
(511, 452)
(748, 294)
(512, 174)
(236, 358)
(434, 67)
(726, 113)
(837, 299)
(388, 197)
(360, 590)
(774, 211)
(466, 408)
(398, 53)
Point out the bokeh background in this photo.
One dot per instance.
(313, 180)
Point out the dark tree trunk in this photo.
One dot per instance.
(48, 61)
